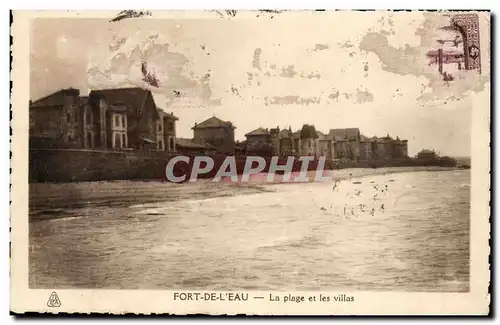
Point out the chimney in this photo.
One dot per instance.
(72, 92)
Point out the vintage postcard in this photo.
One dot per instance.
(265, 162)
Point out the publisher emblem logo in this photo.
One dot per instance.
(54, 300)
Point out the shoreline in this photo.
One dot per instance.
(396, 170)
(49, 196)
(340, 174)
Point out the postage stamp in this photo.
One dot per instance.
(457, 46)
(266, 162)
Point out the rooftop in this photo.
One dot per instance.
(190, 144)
(135, 99)
(258, 131)
(55, 99)
(213, 122)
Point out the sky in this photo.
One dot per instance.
(332, 70)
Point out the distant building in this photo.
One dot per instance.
(216, 132)
(258, 142)
(126, 118)
(56, 120)
(275, 141)
(427, 155)
(190, 147)
(240, 148)
(346, 143)
(341, 144)
(387, 148)
(383, 148)
(400, 148)
(367, 148)
(165, 131)
(325, 145)
(285, 140)
(307, 141)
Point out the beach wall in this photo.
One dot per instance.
(52, 165)
(76, 165)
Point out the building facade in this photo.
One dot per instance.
(165, 131)
(56, 120)
(346, 143)
(217, 133)
(110, 119)
(189, 147)
(258, 142)
(285, 140)
(339, 144)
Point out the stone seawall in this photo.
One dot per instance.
(76, 165)
(70, 165)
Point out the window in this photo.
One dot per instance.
(88, 116)
(89, 143)
(160, 145)
(120, 140)
(117, 120)
(124, 140)
(172, 144)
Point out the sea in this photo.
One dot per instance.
(393, 229)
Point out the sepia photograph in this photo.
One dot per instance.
(288, 159)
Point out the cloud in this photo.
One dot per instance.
(364, 97)
(311, 75)
(321, 47)
(334, 96)
(121, 67)
(256, 58)
(412, 60)
(346, 44)
(292, 100)
(288, 72)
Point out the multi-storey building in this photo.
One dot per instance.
(217, 133)
(109, 119)
(56, 119)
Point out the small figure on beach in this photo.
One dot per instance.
(335, 185)
(350, 177)
(382, 207)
